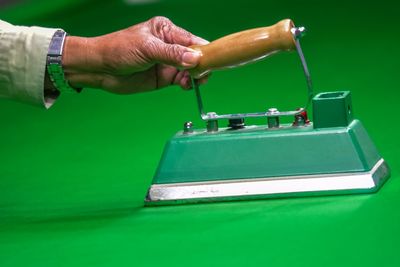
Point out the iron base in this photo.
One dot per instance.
(271, 187)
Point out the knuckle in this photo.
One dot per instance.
(149, 48)
(174, 53)
(186, 34)
(160, 20)
(161, 27)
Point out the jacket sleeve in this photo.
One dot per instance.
(23, 52)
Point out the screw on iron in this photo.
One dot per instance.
(188, 127)
(273, 121)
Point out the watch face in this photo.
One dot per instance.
(56, 44)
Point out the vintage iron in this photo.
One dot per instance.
(331, 155)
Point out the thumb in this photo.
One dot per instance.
(174, 54)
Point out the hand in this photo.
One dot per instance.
(147, 56)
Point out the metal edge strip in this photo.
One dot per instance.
(340, 183)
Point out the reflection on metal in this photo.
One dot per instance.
(251, 115)
(310, 90)
(188, 127)
(215, 116)
(323, 184)
(297, 34)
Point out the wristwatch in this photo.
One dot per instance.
(54, 63)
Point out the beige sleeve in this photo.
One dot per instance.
(23, 52)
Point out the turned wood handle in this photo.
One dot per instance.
(243, 47)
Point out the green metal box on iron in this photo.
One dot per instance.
(332, 110)
(332, 155)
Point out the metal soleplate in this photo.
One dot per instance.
(272, 187)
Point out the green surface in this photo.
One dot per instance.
(73, 178)
(259, 153)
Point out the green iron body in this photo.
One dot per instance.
(332, 155)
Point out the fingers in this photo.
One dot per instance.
(164, 29)
(155, 78)
(167, 75)
(170, 44)
(117, 84)
(186, 82)
(172, 54)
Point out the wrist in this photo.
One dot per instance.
(82, 55)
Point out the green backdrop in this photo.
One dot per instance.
(73, 178)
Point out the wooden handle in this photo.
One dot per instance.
(243, 47)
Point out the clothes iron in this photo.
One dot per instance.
(331, 155)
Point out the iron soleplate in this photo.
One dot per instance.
(271, 187)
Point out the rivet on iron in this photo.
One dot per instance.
(273, 121)
(212, 125)
(188, 127)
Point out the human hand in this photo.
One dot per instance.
(147, 56)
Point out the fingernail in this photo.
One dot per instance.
(186, 82)
(200, 41)
(188, 85)
(191, 59)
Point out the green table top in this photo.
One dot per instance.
(73, 178)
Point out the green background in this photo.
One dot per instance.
(73, 178)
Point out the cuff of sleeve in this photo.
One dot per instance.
(27, 64)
